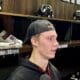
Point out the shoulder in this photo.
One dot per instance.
(18, 73)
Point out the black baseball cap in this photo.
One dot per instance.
(37, 27)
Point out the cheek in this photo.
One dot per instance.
(44, 45)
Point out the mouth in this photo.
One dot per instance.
(53, 50)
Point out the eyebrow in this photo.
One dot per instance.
(55, 36)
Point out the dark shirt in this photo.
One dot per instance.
(29, 71)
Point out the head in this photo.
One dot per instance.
(43, 38)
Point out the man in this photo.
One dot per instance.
(42, 36)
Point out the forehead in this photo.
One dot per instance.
(49, 33)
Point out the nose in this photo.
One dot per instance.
(56, 44)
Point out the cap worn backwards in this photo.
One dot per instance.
(37, 27)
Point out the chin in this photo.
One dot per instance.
(52, 57)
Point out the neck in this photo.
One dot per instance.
(37, 59)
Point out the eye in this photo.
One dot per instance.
(50, 38)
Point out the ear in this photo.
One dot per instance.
(34, 41)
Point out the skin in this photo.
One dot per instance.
(44, 48)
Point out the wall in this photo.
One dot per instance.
(61, 10)
(20, 6)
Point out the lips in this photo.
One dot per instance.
(53, 50)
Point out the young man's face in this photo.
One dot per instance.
(47, 44)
